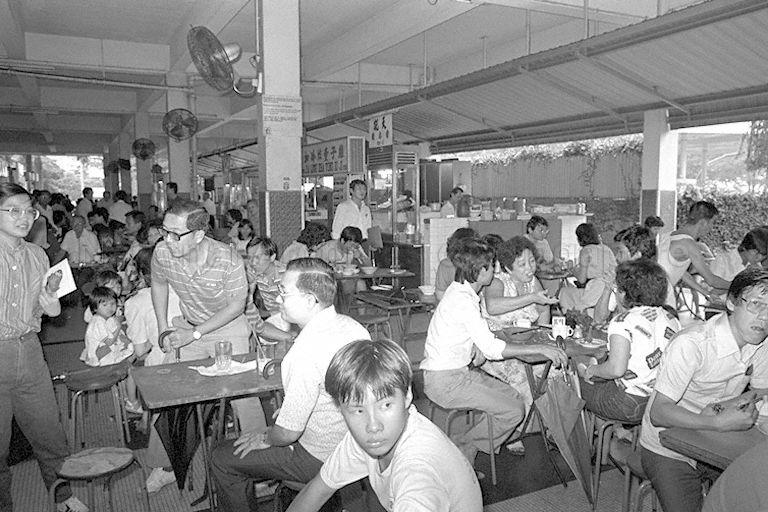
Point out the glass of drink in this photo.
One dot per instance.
(223, 355)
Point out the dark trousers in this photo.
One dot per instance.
(609, 401)
(26, 392)
(677, 484)
(234, 476)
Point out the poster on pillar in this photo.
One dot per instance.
(282, 115)
(380, 131)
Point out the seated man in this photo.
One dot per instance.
(445, 270)
(700, 385)
(456, 327)
(679, 251)
(409, 461)
(309, 425)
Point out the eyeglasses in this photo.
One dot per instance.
(172, 236)
(284, 293)
(17, 213)
(755, 306)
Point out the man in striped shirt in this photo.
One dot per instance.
(26, 391)
(209, 278)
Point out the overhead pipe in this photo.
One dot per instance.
(97, 81)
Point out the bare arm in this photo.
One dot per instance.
(496, 303)
(580, 272)
(616, 364)
(312, 496)
(160, 303)
(602, 308)
(693, 251)
(665, 412)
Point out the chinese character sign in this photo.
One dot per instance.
(380, 131)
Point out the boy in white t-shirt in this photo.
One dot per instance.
(410, 463)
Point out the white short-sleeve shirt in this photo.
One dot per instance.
(307, 406)
(703, 364)
(427, 472)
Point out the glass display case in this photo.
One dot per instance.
(394, 191)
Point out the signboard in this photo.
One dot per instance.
(380, 131)
(282, 115)
(324, 158)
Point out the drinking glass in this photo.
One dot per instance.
(223, 355)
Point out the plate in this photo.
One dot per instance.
(397, 271)
(595, 343)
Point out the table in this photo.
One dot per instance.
(538, 385)
(391, 304)
(379, 273)
(174, 384)
(717, 449)
(561, 276)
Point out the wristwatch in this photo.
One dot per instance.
(196, 335)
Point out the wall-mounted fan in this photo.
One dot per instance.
(213, 61)
(143, 148)
(156, 169)
(179, 124)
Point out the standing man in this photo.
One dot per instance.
(120, 207)
(679, 250)
(209, 278)
(106, 200)
(171, 194)
(85, 205)
(309, 425)
(450, 206)
(700, 385)
(26, 391)
(353, 211)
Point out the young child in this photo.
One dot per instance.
(410, 462)
(105, 341)
(108, 279)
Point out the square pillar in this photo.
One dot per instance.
(659, 169)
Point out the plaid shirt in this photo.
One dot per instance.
(207, 290)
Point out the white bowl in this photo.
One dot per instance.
(368, 270)
(427, 289)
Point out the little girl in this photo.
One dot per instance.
(108, 279)
(105, 341)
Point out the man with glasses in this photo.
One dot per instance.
(209, 278)
(700, 385)
(309, 424)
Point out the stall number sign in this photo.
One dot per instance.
(325, 158)
(380, 131)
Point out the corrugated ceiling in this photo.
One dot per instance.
(707, 64)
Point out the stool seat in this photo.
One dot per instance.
(95, 463)
(93, 379)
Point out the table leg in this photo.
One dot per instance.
(206, 456)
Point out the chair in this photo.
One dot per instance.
(604, 435)
(634, 468)
(92, 464)
(470, 418)
(376, 324)
(94, 380)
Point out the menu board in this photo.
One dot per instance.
(325, 158)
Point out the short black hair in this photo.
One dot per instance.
(173, 186)
(755, 239)
(535, 222)
(457, 236)
(457, 190)
(121, 195)
(351, 234)
(637, 239)
(315, 277)
(701, 210)
(11, 189)
(87, 190)
(746, 279)
(99, 295)
(356, 183)
(643, 282)
(143, 262)
(236, 214)
(314, 234)
(381, 366)
(267, 245)
(244, 222)
(586, 234)
(653, 221)
(512, 249)
(472, 256)
(137, 216)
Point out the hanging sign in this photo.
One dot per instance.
(380, 131)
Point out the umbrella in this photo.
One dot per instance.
(560, 407)
(178, 430)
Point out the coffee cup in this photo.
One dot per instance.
(563, 331)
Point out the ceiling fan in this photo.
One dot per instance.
(179, 124)
(214, 60)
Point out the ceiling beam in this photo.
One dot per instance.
(598, 10)
(382, 30)
(479, 120)
(13, 41)
(627, 75)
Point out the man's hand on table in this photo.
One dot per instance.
(249, 441)
(738, 413)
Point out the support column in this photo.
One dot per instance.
(143, 167)
(280, 119)
(112, 178)
(126, 141)
(659, 164)
(179, 166)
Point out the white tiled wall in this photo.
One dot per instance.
(436, 233)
